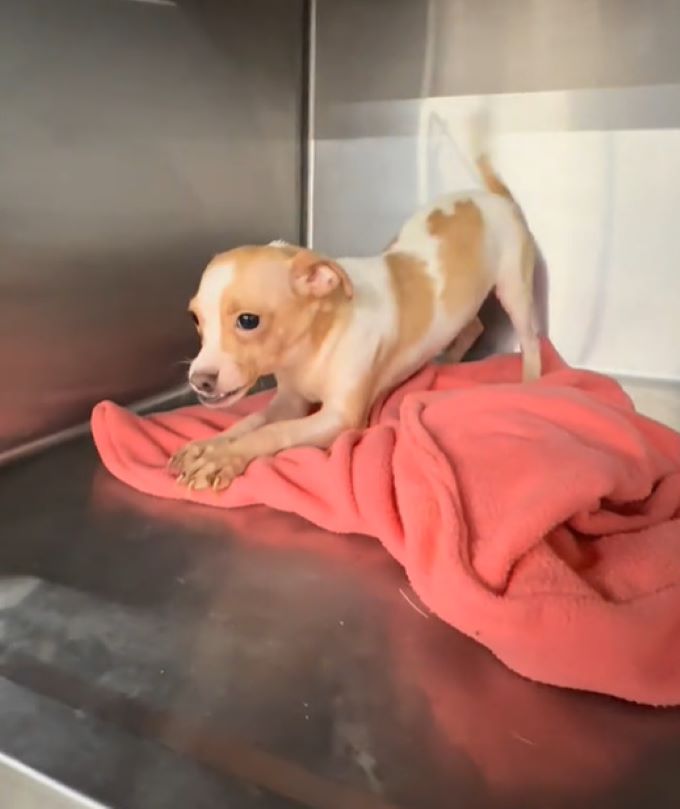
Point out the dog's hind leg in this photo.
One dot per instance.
(514, 289)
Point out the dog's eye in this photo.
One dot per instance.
(247, 321)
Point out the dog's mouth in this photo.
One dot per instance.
(226, 399)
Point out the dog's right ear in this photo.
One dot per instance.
(315, 276)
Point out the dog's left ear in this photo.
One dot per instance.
(316, 276)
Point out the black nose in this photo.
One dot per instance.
(204, 382)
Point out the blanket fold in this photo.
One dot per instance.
(541, 519)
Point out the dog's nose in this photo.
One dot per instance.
(204, 382)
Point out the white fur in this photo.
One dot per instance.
(347, 354)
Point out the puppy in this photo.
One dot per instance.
(339, 333)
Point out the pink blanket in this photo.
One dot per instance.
(543, 519)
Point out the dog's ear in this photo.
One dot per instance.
(315, 276)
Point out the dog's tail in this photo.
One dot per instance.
(490, 178)
(480, 150)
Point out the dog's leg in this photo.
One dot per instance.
(463, 341)
(214, 464)
(515, 292)
(285, 404)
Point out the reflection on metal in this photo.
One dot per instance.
(23, 788)
(176, 397)
(170, 3)
(586, 115)
(309, 128)
(180, 657)
(206, 744)
(130, 154)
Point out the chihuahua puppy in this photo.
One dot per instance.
(339, 333)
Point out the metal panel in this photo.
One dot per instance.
(136, 139)
(584, 96)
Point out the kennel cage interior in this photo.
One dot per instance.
(161, 654)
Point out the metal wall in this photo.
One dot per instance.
(136, 139)
(584, 96)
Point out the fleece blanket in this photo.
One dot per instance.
(541, 519)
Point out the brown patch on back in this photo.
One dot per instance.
(414, 295)
(461, 254)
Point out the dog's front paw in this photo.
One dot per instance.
(189, 453)
(208, 464)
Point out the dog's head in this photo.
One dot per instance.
(257, 310)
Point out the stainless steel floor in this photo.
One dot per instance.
(155, 654)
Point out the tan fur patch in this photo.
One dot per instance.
(461, 253)
(415, 302)
(414, 295)
(261, 285)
